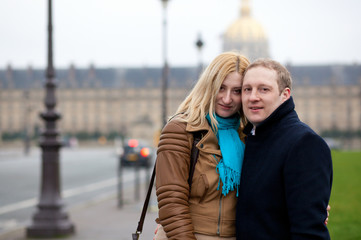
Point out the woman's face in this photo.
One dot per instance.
(229, 99)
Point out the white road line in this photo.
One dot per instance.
(19, 205)
(89, 188)
(68, 193)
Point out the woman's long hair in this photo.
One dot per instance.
(201, 100)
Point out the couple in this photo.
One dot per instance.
(261, 172)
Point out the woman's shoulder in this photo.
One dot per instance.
(176, 125)
(174, 136)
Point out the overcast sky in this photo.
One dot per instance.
(119, 33)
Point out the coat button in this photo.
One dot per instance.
(201, 145)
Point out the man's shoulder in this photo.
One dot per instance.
(300, 129)
(295, 127)
(293, 131)
(300, 133)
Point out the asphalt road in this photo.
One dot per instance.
(86, 174)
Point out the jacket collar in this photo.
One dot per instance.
(283, 110)
(209, 141)
(202, 127)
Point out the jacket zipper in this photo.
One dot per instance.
(219, 215)
(220, 205)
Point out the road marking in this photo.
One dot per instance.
(11, 223)
(69, 193)
(89, 188)
(19, 205)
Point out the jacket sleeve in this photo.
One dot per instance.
(172, 170)
(308, 180)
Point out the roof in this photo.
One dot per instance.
(151, 77)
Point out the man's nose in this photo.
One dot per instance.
(254, 95)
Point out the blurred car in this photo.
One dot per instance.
(136, 152)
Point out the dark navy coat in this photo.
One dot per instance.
(286, 180)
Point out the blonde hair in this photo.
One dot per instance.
(201, 100)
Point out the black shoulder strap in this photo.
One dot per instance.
(145, 207)
(197, 136)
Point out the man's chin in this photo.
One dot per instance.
(254, 121)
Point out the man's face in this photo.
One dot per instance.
(260, 94)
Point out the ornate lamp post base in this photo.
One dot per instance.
(50, 223)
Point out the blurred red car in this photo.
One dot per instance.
(136, 152)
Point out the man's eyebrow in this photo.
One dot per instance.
(265, 85)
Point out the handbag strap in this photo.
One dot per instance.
(193, 160)
(197, 136)
(145, 207)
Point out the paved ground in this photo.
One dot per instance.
(103, 220)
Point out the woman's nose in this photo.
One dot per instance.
(227, 98)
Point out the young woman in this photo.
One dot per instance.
(213, 108)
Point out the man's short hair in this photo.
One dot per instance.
(284, 79)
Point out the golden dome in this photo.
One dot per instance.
(246, 35)
(245, 29)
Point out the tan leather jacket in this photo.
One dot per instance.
(206, 210)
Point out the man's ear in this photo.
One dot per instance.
(286, 94)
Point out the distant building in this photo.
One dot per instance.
(105, 101)
(127, 100)
(246, 35)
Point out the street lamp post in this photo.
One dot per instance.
(50, 220)
(1, 135)
(165, 71)
(27, 123)
(199, 45)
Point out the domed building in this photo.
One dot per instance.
(246, 35)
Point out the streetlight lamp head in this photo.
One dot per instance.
(199, 42)
(165, 3)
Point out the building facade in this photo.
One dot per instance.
(127, 101)
(92, 101)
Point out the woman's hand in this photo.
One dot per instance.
(156, 229)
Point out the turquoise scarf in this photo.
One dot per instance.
(232, 148)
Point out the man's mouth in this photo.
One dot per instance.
(255, 108)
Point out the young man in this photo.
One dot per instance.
(287, 169)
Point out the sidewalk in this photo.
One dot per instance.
(103, 220)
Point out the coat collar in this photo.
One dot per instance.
(202, 127)
(284, 109)
(209, 141)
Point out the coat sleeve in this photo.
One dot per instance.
(172, 189)
(308, 180)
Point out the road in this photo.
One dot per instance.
(87, 174)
